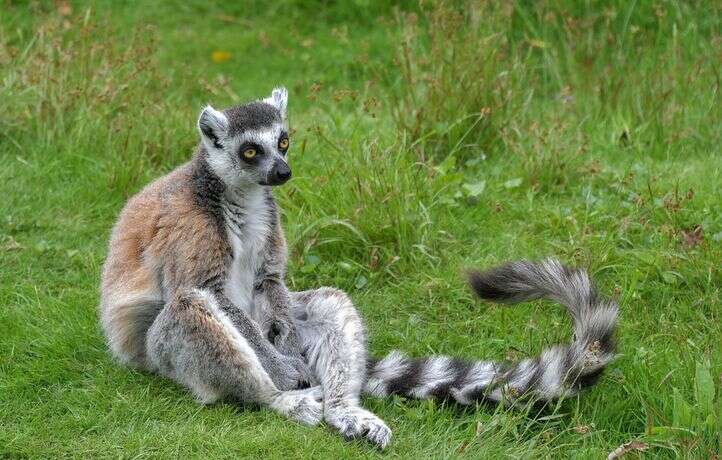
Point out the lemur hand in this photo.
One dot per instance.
(283, 335)
(289, 372)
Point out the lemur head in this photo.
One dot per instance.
(248, 143)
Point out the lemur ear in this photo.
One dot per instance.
(278, 99)
(213, 126)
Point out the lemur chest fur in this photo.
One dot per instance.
(247, 225)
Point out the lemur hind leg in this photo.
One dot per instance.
(334, 343)
(193, 342)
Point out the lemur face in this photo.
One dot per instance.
(248, 143)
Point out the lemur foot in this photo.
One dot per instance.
(305, 406)
(355, 422)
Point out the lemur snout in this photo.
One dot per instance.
(281, 173)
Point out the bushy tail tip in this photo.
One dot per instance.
(557, 372)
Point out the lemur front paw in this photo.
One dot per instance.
(290, 373)
(305, 406)
(355, 422)
(283, 335)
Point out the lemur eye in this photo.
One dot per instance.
(283, 143)
(249, 153)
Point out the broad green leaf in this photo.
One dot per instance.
(669, 432)
(512, 183)
(447, 165)
(475, 189)
(704, 390)
(361, 281)
(310, 262)
(345, 266)
(664, 432)
(711, 421)
(682, 416)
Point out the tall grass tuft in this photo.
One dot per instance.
(79, 89)
(451, 86)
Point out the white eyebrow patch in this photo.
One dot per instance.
(267, 138)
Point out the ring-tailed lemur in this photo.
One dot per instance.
(193, 289)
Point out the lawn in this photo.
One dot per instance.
(426, 139)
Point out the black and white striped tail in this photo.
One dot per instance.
(557, 372)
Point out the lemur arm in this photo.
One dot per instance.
(273, 295)
(278, 322)
(287, 372)
(204, 267)
(249, 329)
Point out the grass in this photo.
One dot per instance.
(426, 139)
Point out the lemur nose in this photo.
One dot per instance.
(283, 173)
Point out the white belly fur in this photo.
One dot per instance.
(247, 250)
